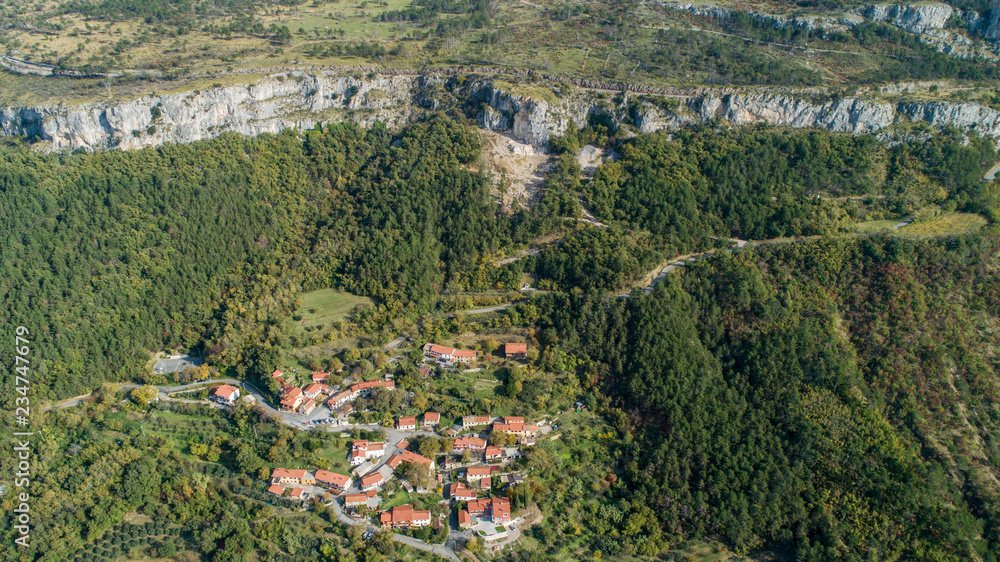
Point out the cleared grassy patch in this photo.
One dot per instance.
(872, 226)
(951, 224)
(325, 306)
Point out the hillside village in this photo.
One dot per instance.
(466, 467)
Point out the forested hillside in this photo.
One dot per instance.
(108, 256)
(833, 399)
(205, 246)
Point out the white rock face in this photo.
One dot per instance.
(967, 116)
(269, 106)
(299, 100)
(915, 19)
(847, 115)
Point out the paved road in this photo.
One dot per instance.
(992, 173)
(740, 244)
(394, 343)
(442, 551)
(489, 309)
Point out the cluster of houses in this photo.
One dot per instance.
(356, 391)
(282, 478)
(526, 433)
(514, 350)
(302, 400)
(306, 400)
(409, 423)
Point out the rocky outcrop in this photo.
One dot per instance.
(268, 106)
(301, 100)
(847, 115)
(966, 116)
(915, 19)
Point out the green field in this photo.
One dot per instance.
(326, 306)
(950, 224)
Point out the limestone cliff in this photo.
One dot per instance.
(301, 100)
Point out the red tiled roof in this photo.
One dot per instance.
(288, 473)
(296, 493)
(431, 417)
(291, 396)
(394, 461)
(477, 471)
(408, 421)
(276, 490)
(225, 391)
(320, 376)
(404, 515)
(316, 388)
(374, 478)
(277, 373)
(340, 480)
(464, 518)
(470, 442)
(410, 456)
(513, 419)
(492, 452)
(355, 498)
(515, 347)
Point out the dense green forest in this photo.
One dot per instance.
(205, 246)
(832, 399)
(132, 252)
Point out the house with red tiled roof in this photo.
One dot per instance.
(372, 481)
(276, 490)
(497, 509)
(432, 418)
(307, 407)
(464, 519)
(355, 500)
(320, 376)
(494, 453)
(449, 353)
(517, 428)
(459, 492)
(364, 450)
(296, 493)
(333, 481)
(226, 394)
(407, 423)
(292, 399)
(339, 399)
(276, 374)
(410, 456)
(515, 350)
(486, 483)
(315, 389)
(470, 443)
(403, 516)
(292, 476)
(473, 421)
(475, 473)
